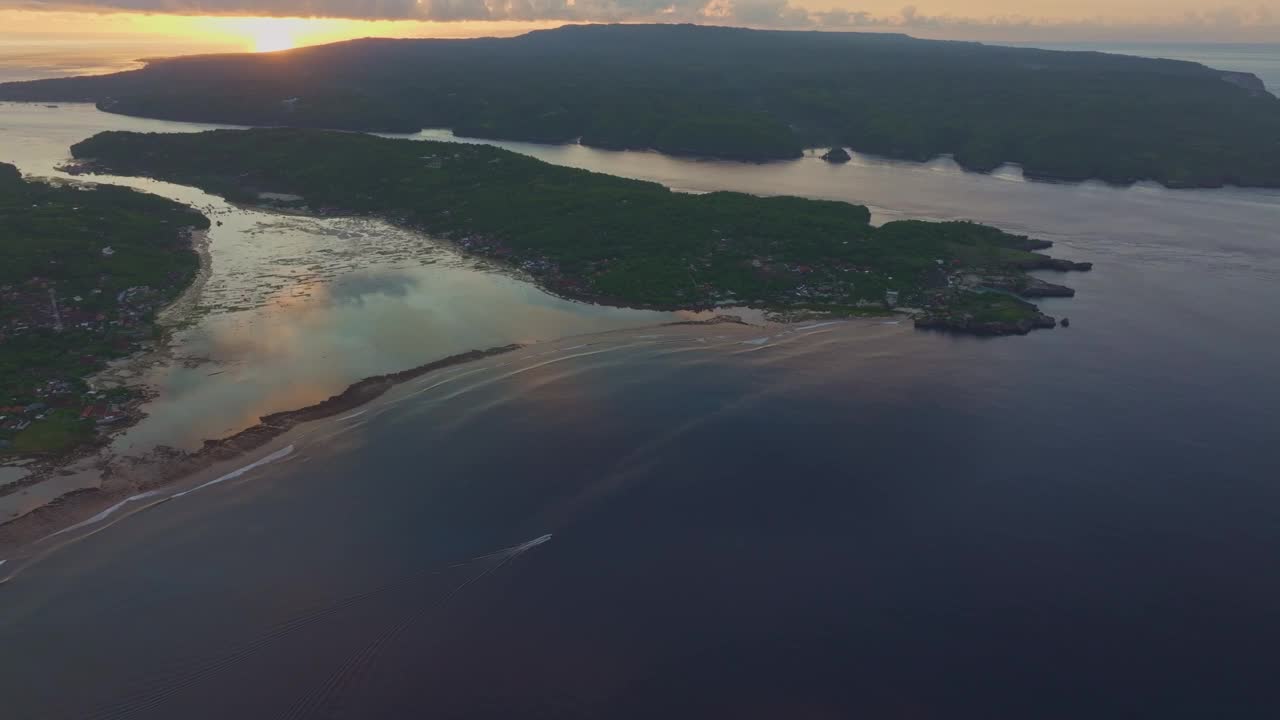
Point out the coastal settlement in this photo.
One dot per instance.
(86, 270)
(617, 241)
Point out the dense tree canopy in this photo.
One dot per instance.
(742, 94)
(587, 234)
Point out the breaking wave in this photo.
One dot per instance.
(277, 455)
(105, 513)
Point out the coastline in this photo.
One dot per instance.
(61, 491)
(118, 479)
(129, 477)
(127, 480)
(124, 372)
(950, 262)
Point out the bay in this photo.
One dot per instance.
(815, 521)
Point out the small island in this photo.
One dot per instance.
(85, 270)
(836, 155)
(611, 240)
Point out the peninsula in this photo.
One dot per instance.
(742, 95)
(85, 270)
(611, 240)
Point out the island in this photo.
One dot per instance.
(85, 270)
(739, 94)
(837, 155)
(611, 240)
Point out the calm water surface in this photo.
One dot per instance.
(297, 308)
(28, 58)
(831, 521)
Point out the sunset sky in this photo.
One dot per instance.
(59, 31)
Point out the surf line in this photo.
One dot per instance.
(105, 513)
(277, 455)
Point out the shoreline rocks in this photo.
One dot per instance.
(836, 155)
(1037, 288)
(1059, 265)
(968, 326)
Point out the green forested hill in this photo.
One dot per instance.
(741, 94)
(596, 236)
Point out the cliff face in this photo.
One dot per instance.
(1245, 80)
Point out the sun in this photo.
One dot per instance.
(263, 34)
(272, 41)
(271, 34)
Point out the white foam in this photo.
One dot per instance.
(818, 325)
(105, 513)
(756, 341)
(544, 363)
(353, 415)
(281, 453)
(438, 384)
(534, 542)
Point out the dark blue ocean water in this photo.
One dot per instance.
(849, 520)
(853, 520)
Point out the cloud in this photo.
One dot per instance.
(1232, 17)
(1223, 22)
(839, 18)
(438, 10)
(770, 13)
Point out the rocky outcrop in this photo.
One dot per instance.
(1024, 286)
(1041, 262)
(717, 320)
(1037, 288)
(836, 155)
(969, 326)
(9, 174)
(1248, 81)
(1034, 244)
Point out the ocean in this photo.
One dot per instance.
(32, 60)
(827, 520)
(830, 520)
(1261, 59)
(24, 58)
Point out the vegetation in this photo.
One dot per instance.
(982, 311)
(590, 235)
(84, 270)
(57, 432)
(741, 94)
